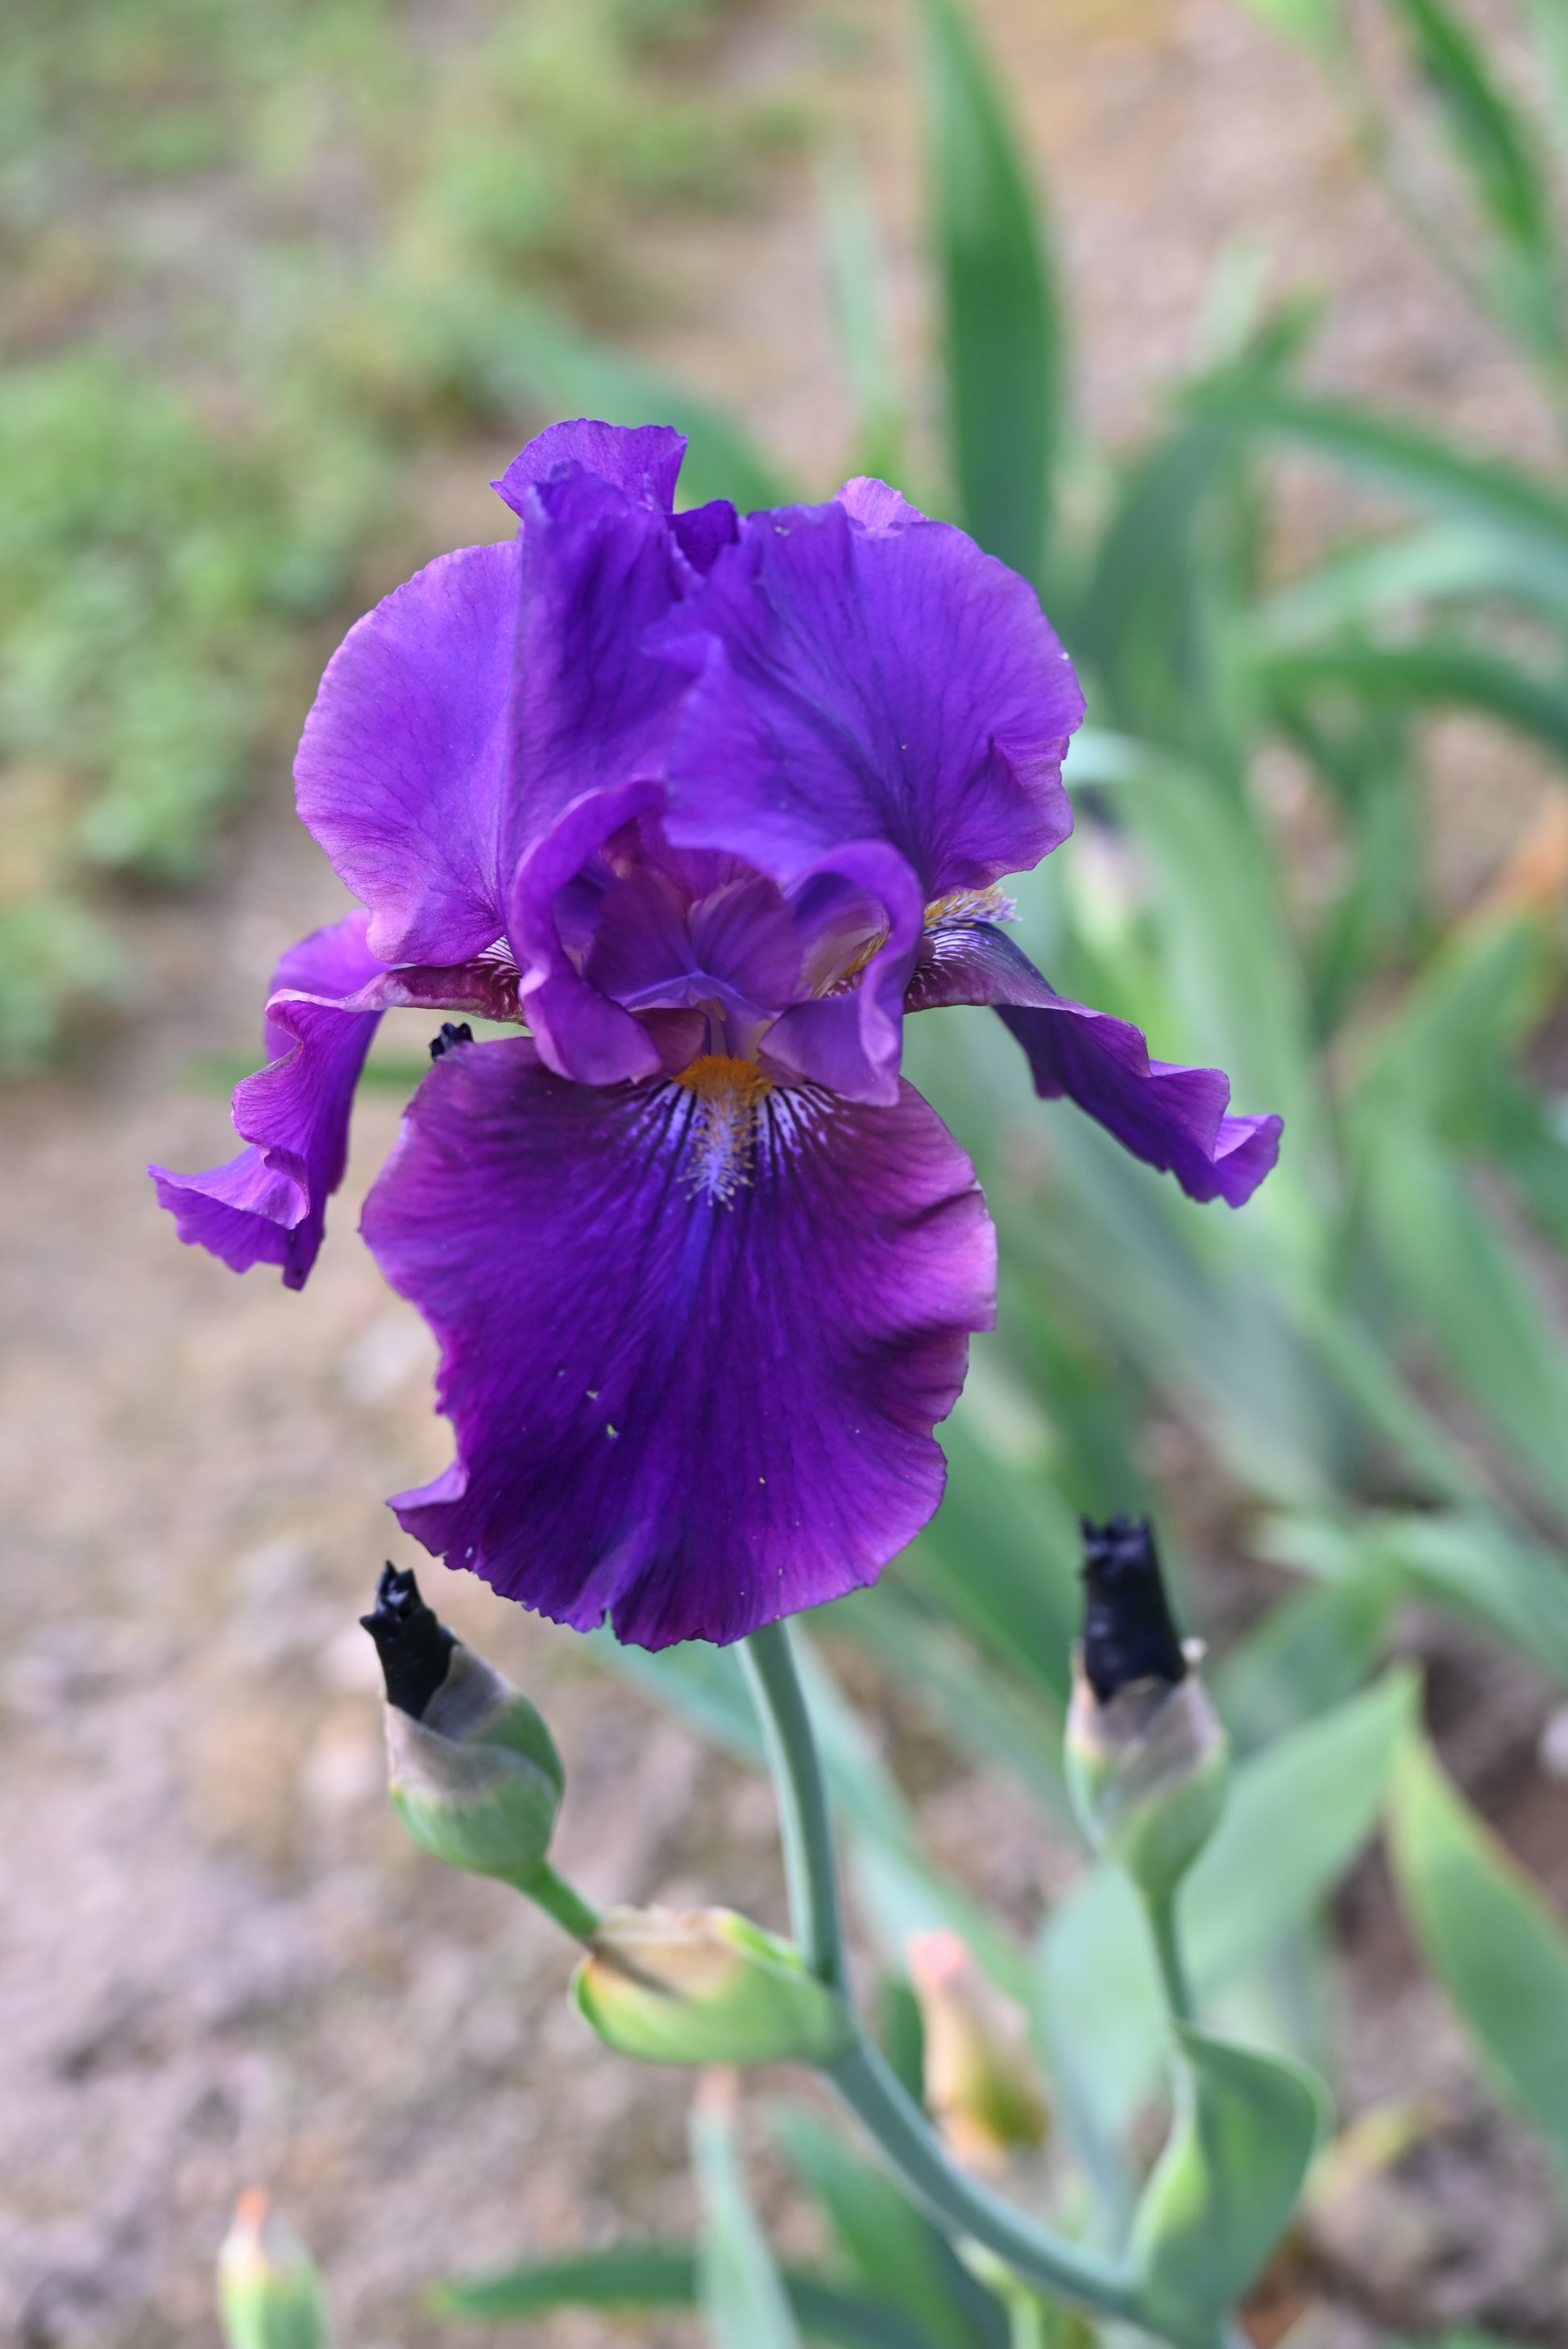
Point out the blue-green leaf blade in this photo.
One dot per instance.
(1521, 511)
(891, 2245)
(1489, 1936)
(741, 2293)
(664, 2276)
(623, 2275)
(1496, 148)
(1298, 1814)
(1222, 2192)
(1001, 332)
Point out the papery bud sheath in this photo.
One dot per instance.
(705, 1986)
(1147, 1756)
(268, 2294)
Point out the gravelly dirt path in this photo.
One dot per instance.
(219, 1960)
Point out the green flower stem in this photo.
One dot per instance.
(1161, 1910)
(861, 2076)
(959, 2203)
(805, 1823)
(550, 1891)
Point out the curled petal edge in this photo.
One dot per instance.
(267, 1204)
(1174, 1117)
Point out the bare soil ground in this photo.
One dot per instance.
(219, 1959)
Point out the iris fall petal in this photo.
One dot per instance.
(693, 1413)
(268, 1205)
(1171, 1117)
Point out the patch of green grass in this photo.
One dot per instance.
(261, 257)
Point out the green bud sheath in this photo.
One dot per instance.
(705, 1986)
(1147, 1771)
(268, 2295)
(476, 1780)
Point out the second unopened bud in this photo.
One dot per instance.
(981, 2084)
(1147, 1756)
(705, 1986)
(473, 1770)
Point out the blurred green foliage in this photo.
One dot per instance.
(259, 261)
(349, 231)
(1362, 1379)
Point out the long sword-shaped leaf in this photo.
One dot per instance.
(1001, 331)
(1473, 1559)
(1433, 672)
(742, 2295)
(664, 2276)
(1492, 1941)
(1428, 563)
(1298, 1815)
(1548, 21)
(1518, 509)
(1473, 1291)
(1496, 149)
(893, 2248)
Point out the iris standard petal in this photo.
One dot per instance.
(268, 1205)
(459, 717)
(861, 673)
(592, 715)
(593, 709)
(1174, 1118)
(641, 460)
(692, 1406)
(402, 771)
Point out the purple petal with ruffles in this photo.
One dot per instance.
(460, 719)
(592, 716)
(580, 1031)
(641, 460)
(851, 1041)
(403, 768)
(592, 709)
(859, 673)
(692, 1413)
(268, 1205)
(737, 945)
(701, 533)
(1174, 1118)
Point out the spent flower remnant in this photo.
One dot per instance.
(705, 804)
(1147, 1755)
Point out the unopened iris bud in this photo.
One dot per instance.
(981, 2084)
(268, 2294)
(705, 1986)
(1146, 1753)
(475, 1776)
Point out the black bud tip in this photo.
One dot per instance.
(1128, 1634)
(462, 1033)
(414, 1647)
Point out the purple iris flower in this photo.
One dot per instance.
(706, 804)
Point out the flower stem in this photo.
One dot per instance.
(861, 2075)
(1161, 1910)
(804, 1821)
(874, 2093)
(550, 1891)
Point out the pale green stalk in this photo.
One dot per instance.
(862, 2078)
